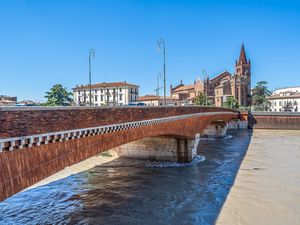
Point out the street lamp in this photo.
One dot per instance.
(159, 43)
(91, 55)
(158, 87)
(206, 84)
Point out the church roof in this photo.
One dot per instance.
(184, 88)
(221, 76)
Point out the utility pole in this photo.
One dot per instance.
(206, 85)
(91, 55)
(159, 43)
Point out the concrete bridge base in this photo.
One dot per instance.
(238, 124)
(218, 129)
(174, 149)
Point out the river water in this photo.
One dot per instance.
(126, 191)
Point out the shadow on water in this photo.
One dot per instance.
(125, 191)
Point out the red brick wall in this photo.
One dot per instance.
(23, 122)
(23, 168)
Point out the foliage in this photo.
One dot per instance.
(58, 96)
(244, 108)
(202, 100)
(259, 96)
(231, 103)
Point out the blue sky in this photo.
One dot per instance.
(45, 42)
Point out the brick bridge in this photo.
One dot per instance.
(38, 142)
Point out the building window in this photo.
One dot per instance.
(96, 98)
(120, 90)
(279, 103)
(101, 98)
(275, 103)
(79, 92)
(101, 91)
(95, 91)
(120, 97)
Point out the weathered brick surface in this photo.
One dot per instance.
(22, 168)
(14, 123)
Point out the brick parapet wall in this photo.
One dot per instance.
(23, 121)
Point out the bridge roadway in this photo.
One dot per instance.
(38, 142)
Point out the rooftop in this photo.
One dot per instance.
(106, 84)
(154, 97)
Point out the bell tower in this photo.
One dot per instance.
(242, 65)
(243, 77)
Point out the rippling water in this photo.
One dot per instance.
(127, 191)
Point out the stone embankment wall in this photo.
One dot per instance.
(275, 120)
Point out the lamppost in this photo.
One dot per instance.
(91, 55)
(157, 89)
(206, 84)
(159, 43)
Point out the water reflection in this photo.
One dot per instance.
(128, 192)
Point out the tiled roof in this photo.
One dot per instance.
(155, 97)
(221, 76)
(105, 84)
(277, 96)
(184, 88)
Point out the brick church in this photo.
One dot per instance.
(220, 87)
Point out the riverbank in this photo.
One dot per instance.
(267, 187)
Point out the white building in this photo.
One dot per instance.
(154, 100)
(106, 94)
(287, 99)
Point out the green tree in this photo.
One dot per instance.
(231, 103)
(259, 96)
(202, 100)
(58, 96)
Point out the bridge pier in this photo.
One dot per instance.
(216, 129)
(238, 124)
(173, 149)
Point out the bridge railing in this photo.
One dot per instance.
(10, 144)
(275, 113)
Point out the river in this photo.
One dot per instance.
(126, 191)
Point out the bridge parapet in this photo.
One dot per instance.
(10, 144)
(24, 121)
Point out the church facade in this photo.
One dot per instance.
(222, 86)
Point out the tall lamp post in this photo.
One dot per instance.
(91, 55)
(206, 84)
(157, 89)
(161, 42)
